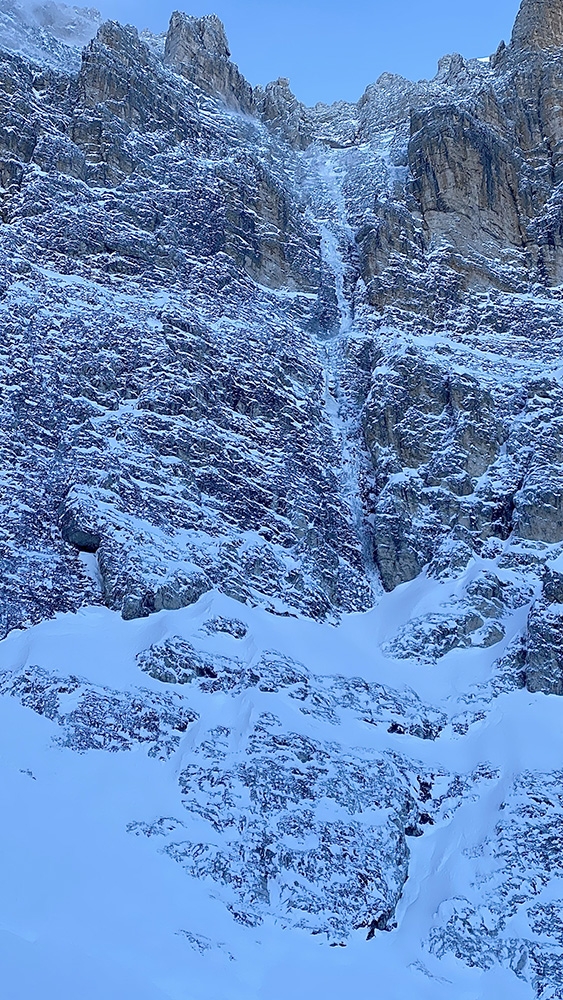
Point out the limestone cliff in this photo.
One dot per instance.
(539, 25)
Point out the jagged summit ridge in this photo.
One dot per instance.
(539, 25)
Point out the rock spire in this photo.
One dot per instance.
(197, 48)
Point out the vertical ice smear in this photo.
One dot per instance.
(346, 428)
(336, 232)
(333, 258)
(328, 172)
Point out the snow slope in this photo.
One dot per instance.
(94, 901)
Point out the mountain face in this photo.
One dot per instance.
(539, 26)
(282, 521)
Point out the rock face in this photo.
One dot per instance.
(296, 352)
(539, 25)
(198, 49)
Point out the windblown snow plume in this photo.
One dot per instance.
(50, 33)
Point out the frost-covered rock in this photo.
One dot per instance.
(94, 718)
(329, 869)
(544, 657)
(515, 869)
(328, 698)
